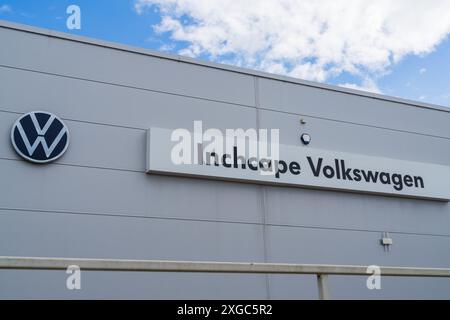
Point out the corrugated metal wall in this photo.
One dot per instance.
(97, 202)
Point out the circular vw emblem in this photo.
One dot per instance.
(40, 137)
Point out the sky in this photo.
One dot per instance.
(398, 48)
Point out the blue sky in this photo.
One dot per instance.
(405, 60)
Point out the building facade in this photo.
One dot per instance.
(97, 201)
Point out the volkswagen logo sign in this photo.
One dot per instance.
(40, 137)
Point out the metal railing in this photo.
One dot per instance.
(321, 271)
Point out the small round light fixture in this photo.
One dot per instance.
(306, 139)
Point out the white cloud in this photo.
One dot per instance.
(4, 8)
(422, 97)
(309, 39)
(422, 71)
(167, 47)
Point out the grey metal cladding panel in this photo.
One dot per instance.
(26, 50)
(311, 101)
(331, 209)
(91, 145)
(354, 287)
(103, 191)
(121, 285)
(99, 191)
(302, 245)
(302, 207)
(345, 137)
(102, 103)
(360, 248)
(136, 238)
(391, 288)
(63, 235)
(34, 234)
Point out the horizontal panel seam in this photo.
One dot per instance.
(359, 124)
(79, 166)
(126, 86)
(82, 121)
(137, 216)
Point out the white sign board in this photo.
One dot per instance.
(301, 166)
